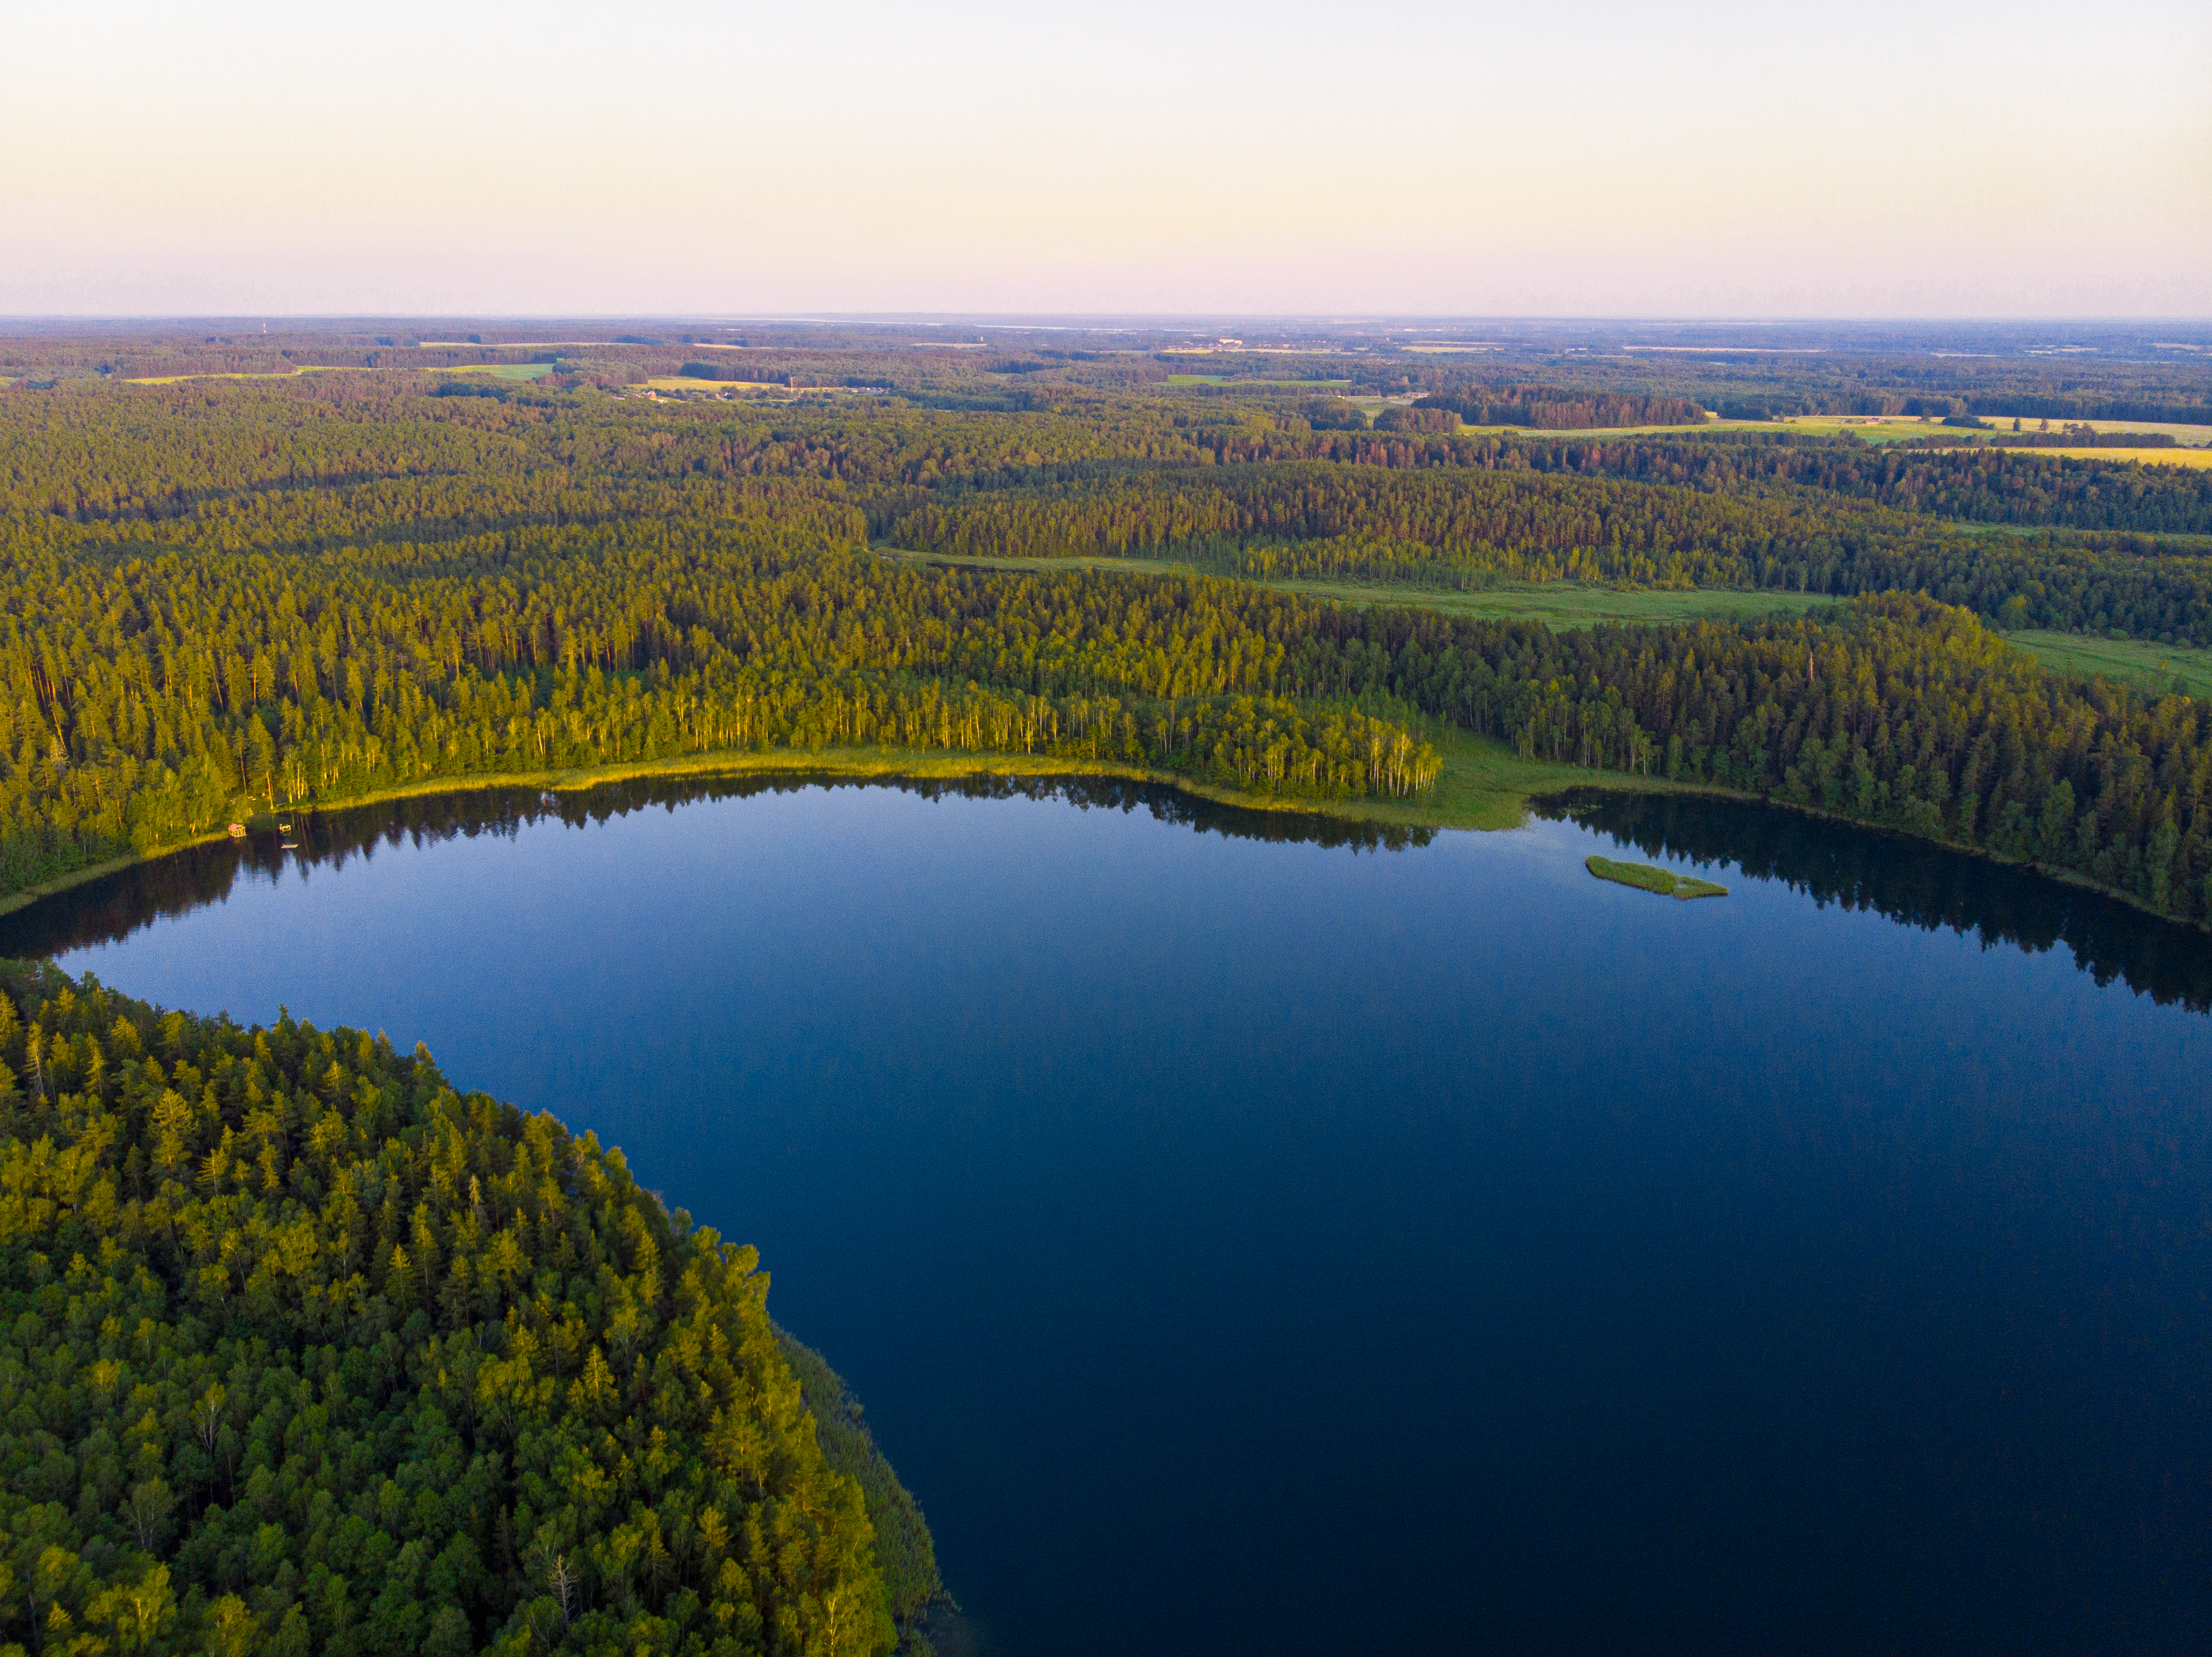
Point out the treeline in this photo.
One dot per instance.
(2180, 408)
(2083, 437)
(209, 871)
(578, 354)
(200, 451)
(906, 1554)
(1893, 711)
(1981, 483)
(140, 702)
(1469, 528)
(1987, 483)
(312, 465)
(1551, 408)
(2071, 437)
(1504, 524)
(308, 1352)
(1984, 483)
(133, 723)
(2000, 384)
(2185, 408)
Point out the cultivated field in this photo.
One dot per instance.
(2150, 457)
(1901, 428)
(711, 387)
(281, 374)
(1233, 380)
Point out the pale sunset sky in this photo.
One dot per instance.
(1585, 158)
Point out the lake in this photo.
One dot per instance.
(1251, 1236)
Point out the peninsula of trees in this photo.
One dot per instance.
(308, 1352)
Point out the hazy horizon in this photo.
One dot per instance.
(1107, 321)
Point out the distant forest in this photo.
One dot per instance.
(2154, 373)
(226, 595)
(1556, 409)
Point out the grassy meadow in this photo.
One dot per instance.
(1563, 606)
(1485, 784)
(1560, 606)
(2135, 661)
(506, 370)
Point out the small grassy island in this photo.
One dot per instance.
(1645, 877)
(311, 1352)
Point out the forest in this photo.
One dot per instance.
(1555, 408)
(225, 597)
(1892, 709)
(1471, 528)
(309, 1351)
(2035, 370)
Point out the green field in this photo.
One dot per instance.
(1565, 604)
(1557, 605)
(2134, 661)
(506, 370)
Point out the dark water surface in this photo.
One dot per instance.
(1250, 1245)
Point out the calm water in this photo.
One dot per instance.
(1252, 1244)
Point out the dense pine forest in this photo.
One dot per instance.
(309, 1352)
(225, 597)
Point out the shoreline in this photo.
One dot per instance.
(1483, 787)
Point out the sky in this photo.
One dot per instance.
(661, 157)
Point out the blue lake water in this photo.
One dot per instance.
(1249, 1243)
